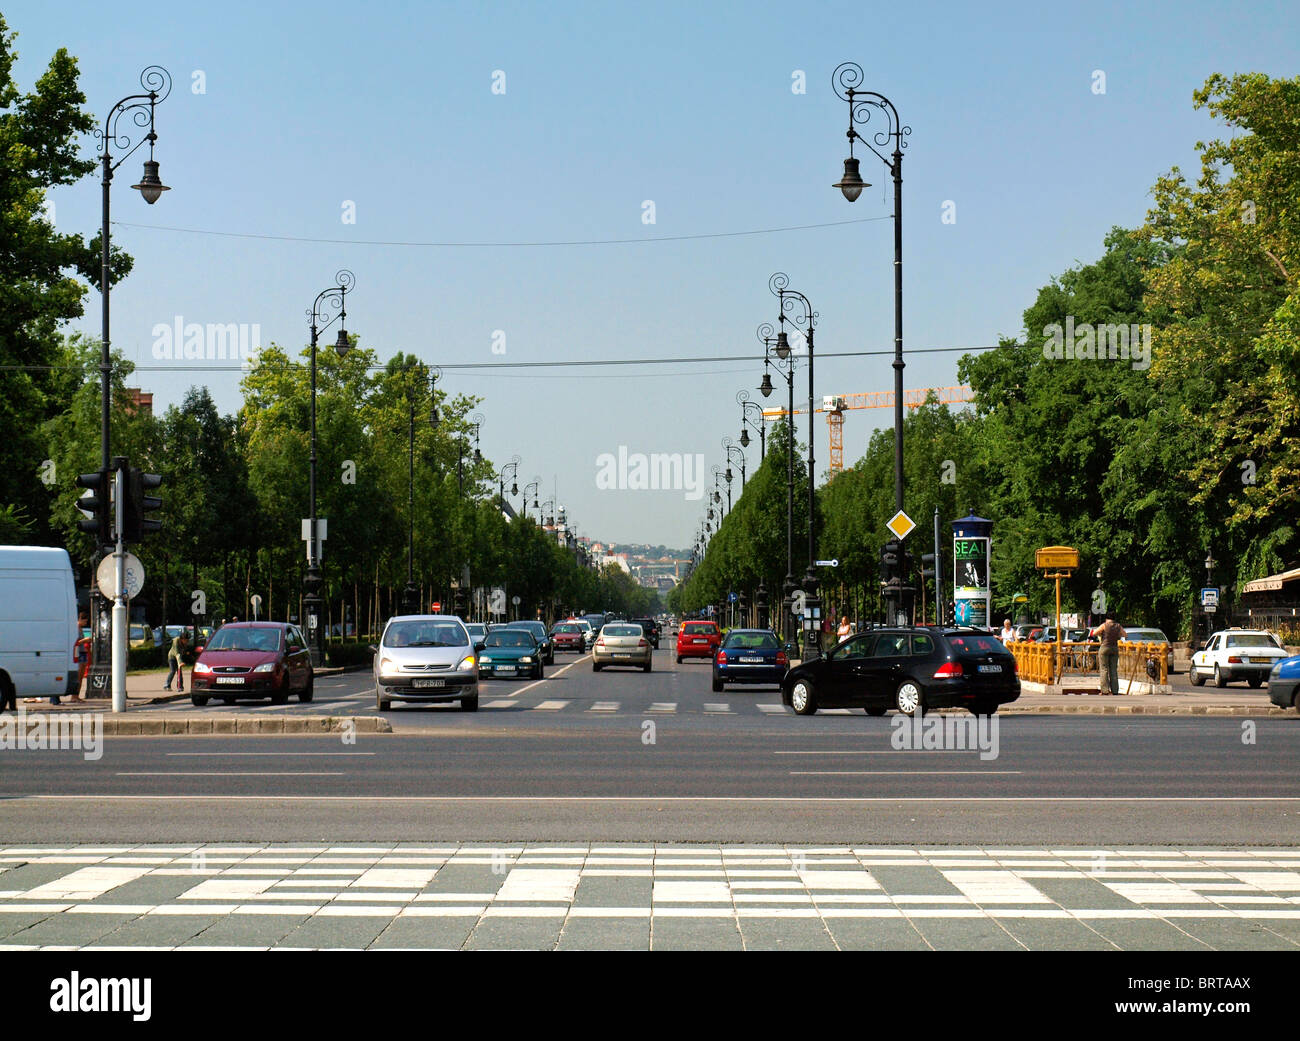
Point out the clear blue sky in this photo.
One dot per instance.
(688, 105)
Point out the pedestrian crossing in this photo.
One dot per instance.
(301, 895)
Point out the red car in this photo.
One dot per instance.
(698, 640)
(253, 659)
(569, 636)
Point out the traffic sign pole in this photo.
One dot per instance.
(119, 592)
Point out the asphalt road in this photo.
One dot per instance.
(625, 756)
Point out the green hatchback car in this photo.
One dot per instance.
(510, 653)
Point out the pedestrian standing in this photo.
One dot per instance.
(176, 664)
(1110, 632)
(1007, 634)
(845, 630)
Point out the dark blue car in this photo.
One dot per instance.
(1283, 681)
(749, 656)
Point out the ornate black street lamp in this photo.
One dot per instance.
(845, 80)
(742, 398)
(509, 472)
(534, 486)
(476, 423)
(735, 452)
(411, 597)
(785, 360)
(336, 296)
(157, 83)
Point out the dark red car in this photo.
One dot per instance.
(698, 639)
(569, 636)
(253, 660)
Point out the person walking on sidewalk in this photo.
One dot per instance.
(1110, 632)
(176, 663)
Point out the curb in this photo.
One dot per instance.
(1145, 710)
(137, 727)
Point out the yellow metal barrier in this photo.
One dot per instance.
(1039, 663)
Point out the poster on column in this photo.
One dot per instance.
(970, 559)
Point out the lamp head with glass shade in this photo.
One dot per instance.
(342, 344)
(782, 345)
(150, 186)
(744, 437)
(766, 386)
(851, 184)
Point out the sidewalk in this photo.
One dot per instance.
(142, 690)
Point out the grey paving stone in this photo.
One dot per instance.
(1146, 934)
(465, 878)
(920, 880)
(442, 933)
(342, 931)
(695, 934)
(29, 876)
(516, 934)
(965, 934)
(16, 922)
(875, 934)
(1078, 893)
(70, 929)
(1055, 934)
(785, 934)
(150, 889)
(605, 934)
(247, 930)
(1225, 934)
(158, 930)
(604, 891)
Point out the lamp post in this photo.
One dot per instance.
(336, 295)
(731, 447)
(845, 80)
(802, 313)
(742, 398)
(157, 84)
(718, 475)
(475, 421)
(771, 344)
(512, 469)
(534, 486)
(411, 601)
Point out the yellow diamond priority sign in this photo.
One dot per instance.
(901, 524)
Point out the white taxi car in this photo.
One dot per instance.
(1236, 654)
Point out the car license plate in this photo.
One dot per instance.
(622, 654)
(698, 639)
(990, 668)
(505, 668)
(233, 680)
(751, 661)
(1261, 661)
(428, 683)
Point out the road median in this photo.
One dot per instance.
(138, 725)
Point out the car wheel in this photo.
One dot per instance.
(280, 696)
(984, 708)
(1254, 681)
(595, 667)
(540, 673)
(909, 700)
(469, 704)
(679, 659)
(875, 711)
(1195, 677)
(198, 700)
(308, 692)
(1219, 679)
(646, 667)
(227, 701)
(802, 698)
(383, 704)
(717, 686)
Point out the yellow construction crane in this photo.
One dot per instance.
(835, 405)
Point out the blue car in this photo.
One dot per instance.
(1283, 681)
(749, 656)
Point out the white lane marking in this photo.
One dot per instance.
(838, 879)
(996, 887)
(535, 683)
(604, 706)
(276, 754)
(500, 704)
(663, 706)
(690, 892)
(716, 707)
(557, 884)
(395, 878)
(230, 773)
(1156, 892)
(86, 883)
(550, 706)
(771, 708)
(894, 773)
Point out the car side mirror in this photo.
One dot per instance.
(373, 648)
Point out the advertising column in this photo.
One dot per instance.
(971, 544)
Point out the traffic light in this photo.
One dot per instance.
(891, 562)
(136, 525)
(98, 505)
(928, 566)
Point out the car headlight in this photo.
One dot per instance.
(266, 667)
(483, 659)
(526, 660)
(387, 666)
(467, 664)
(201, 668)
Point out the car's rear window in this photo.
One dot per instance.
(976, 644)
(699, 628)
(1251, 640)
(751, 641)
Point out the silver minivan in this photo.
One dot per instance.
(428, 658)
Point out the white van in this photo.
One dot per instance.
(38, 622)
